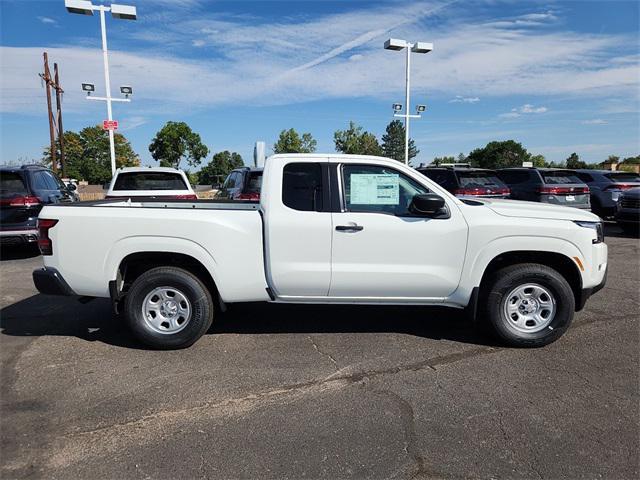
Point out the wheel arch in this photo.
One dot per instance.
(560, 262)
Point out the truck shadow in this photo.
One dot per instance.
(42, 315)
(18, 252)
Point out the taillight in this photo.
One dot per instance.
(620, 186)
(44, 242)
(248, 196)
(482, 191)
(190, 196)
(563, 190)
(22, 201)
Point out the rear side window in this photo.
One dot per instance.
(302, 186)
(479, 180)
(559, 176)
(514, 177)
(585, 177)
(254, 183)
(623, 177)
(40, 181)
(11, 183)
(149, 181)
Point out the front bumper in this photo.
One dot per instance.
(587, 292)
(49, 281)
(628, 215)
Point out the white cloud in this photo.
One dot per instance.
(130, 123)
(461, 99)
(198, 43)
(525, 109)
(595, 121)
(306, 59)
(48, 20)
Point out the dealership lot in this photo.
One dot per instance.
(319, 392)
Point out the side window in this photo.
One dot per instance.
(52, 181)
(40, 181)
(302, 186)
(513, 177)
(377, 189)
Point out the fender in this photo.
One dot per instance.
(140, 244)
(476, 264)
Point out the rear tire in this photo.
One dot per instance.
(168, 308)
(528, 305)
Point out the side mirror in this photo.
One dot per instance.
(426, 204)
(71, 187)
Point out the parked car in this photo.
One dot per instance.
(23, 192)
(242, 184)
(163, 183)
(326, 230)
(546, 185)
(606, 187)
(628, 210)
(467, 181)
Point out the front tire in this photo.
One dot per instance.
(528, 305)
(168, 308)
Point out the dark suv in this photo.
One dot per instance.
(546, 185)
(467, 181)
(606, 187)
(242, 184)
(23, 192)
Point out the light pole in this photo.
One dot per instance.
(124, 12)
(417, 47)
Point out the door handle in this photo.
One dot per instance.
(349, 228)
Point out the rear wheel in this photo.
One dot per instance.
(168, 308)
(528, 305)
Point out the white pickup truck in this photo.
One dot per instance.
(328, 229)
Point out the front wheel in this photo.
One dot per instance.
(529, 305)
(168, 308)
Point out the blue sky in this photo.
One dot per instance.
(557, 76)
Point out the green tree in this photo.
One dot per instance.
(393, 142)
(176, 142)
(613, 159)
(573, 162)
(508, 153)
(88, 157)
(219, 167)
(355, 141)
(290, 141)
(462, 158)
(538, 161)
(631, 160)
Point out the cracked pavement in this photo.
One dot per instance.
(292, 391)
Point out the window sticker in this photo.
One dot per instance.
(375, 189)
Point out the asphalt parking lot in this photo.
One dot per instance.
(318, 392)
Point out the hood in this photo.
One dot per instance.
(518, 208)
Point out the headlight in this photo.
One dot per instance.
(597, 226)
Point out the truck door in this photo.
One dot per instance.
(298, 229)
(380, 250)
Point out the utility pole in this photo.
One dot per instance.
(55, 123)
(59, 92)
(46, 76)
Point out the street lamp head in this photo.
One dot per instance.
(126, 90)
(82, 7)
(397, 107)
(88, 87)
(421, 108)
(123, 12)
(422, 47)
(395, 44)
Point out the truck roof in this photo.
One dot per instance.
(311, 157)
(148, 169)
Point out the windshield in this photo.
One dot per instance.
(11, 183)
(559, 176)
(480, 180)
(254, 183)
(150, 181)
(623, 177)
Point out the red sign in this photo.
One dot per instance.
(110, 125)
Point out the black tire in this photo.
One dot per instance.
(195, 292)
(505, 281)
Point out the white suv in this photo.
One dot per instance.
(150, 182)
